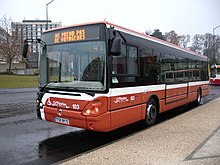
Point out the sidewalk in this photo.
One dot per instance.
(188, 139)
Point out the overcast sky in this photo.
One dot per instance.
(183, 16)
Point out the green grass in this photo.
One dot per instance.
(18, 81)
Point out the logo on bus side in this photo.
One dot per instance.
(57, 104)
(123, 99)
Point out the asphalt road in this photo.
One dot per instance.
(24, 139)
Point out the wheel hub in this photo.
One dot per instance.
(151, 112)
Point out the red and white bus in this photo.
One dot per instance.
(101, 76)
(215, 75)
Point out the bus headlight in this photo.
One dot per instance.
(39, 103)
(96, 107)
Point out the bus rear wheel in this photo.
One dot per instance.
(199, 97)
(151, 112)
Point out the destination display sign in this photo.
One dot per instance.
(69, 36)
(72, 34)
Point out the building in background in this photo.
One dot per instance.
(32, 29)
(3, 34)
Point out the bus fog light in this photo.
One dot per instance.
(96, 110)
(88, 111)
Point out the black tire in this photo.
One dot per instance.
(151, 112)
(199, 97)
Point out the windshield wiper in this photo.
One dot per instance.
(82, 91)
(74, 88)
(43, 88)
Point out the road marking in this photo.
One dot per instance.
(209, 148)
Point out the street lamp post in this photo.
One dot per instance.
(214, 29)
(47, 13)
(214, 42)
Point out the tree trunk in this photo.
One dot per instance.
(9, 66)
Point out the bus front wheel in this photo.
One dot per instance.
(151, 112)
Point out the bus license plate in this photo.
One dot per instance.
(61, 120)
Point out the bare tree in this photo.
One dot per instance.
(184, 40)
(172, 37)
(197, 44)
(217, 43)
(10, 45)
(209, 47)
(212, 47)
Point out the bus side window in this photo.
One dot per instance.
(132, 60)
(119, 64)
(125, 66)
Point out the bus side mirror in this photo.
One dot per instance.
(116, 46)
(25, 49)
(25, 46)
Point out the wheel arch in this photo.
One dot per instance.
(200, 90)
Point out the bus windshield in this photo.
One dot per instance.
(79, 65)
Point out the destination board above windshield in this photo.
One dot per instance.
(69, 36)
(73, 34)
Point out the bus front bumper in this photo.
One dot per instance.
(73, 118)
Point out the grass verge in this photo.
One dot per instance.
(18, 81)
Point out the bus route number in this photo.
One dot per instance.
(75, 106)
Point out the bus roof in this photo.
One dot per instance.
(142, 35)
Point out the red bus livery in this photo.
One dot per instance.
(215, 75)
(101, 76)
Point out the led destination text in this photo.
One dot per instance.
(75, 35)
